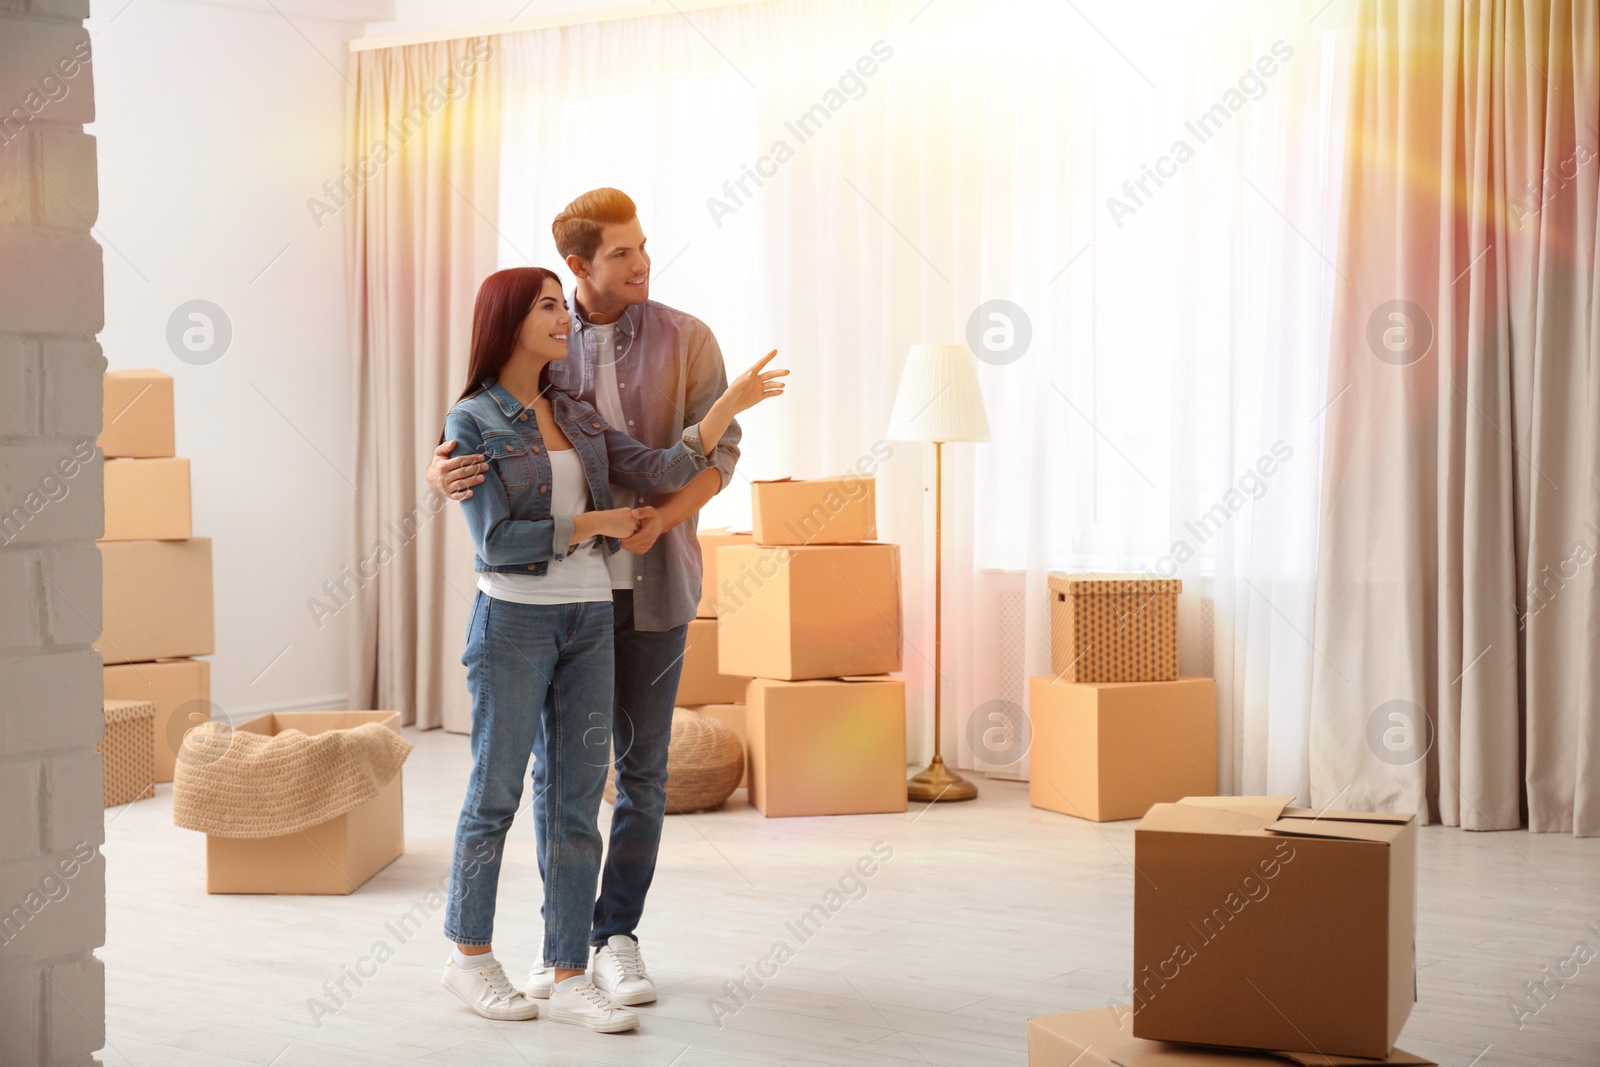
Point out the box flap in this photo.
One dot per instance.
(1266, 807)
(1197, 819)
(1398, 1057)
(766, 481)
(1346, 816)
(1338, 830)
(1103, 1037)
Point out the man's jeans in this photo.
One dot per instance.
(647, 668)
(537, 672)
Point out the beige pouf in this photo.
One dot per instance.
(705, 760)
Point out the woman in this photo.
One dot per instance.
(540, 640)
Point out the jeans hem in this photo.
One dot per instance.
(470, 942)
(584, 966)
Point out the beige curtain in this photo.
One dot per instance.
(423, 179)
(1456, 626)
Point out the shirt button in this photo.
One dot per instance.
(543, 488)
(532, 565)
(639, 578)
(536, 448)
(523, 417)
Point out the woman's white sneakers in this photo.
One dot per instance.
(619, 971)
(576, 1000)
(486, 990)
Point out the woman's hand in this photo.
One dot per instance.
(617, 522)
(752, 387)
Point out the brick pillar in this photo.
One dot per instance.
(52, 876)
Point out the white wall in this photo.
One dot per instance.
(215, 124)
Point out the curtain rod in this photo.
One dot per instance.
(543, 22)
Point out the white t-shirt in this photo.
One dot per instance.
(577, 579)
(608, 401)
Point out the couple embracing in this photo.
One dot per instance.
(581, 449)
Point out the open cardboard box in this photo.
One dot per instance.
(333, 857)
(1101, 1038)
(1262, 926)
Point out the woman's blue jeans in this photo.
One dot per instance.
(535, 668)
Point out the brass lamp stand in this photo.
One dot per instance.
(939, 401)
(938, 782)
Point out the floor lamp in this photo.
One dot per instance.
(939, 401)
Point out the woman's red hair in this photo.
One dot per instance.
(504, 300)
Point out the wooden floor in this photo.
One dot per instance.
(987, 913)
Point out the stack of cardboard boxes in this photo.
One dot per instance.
(808, 626)
(157, 611)
(702, 686)
(1115, 729)
(1258, 926)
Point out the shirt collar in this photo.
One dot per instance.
(627, 325)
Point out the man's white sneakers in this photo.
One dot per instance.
(487, 991)
(576, 1000)
(619, 972)
(541, 981)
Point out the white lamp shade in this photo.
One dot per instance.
(939, 398)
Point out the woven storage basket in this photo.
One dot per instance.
(705, 760)
(128, 751)
(1114, 628)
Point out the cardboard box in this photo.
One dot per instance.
(818, 511)
(125, 751)
(335, 857)
(156, 600)
(1114, 628)
(136, 420)
(835, 747)
(710, 541)
(1109, 750)
(734, 716)
(180, 689)
(821, 611)
(1257, 925)
(1102, 1038)
(147, 499)
(699, 681)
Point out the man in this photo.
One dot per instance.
(651, 371)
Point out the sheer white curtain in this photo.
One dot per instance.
(842, 179)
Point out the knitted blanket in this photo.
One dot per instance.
(234, 783)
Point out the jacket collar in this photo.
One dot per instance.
(565, 407)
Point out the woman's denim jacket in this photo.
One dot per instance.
(508, 515)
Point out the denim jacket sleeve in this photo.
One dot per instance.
(654, 470)
(707, 380)
(499, 539)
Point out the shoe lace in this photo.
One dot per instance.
(495, 975)
(629, 960)
(590, 992)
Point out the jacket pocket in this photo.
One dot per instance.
(508, 455)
